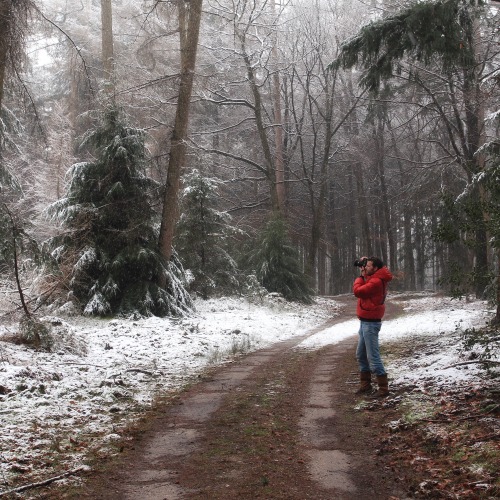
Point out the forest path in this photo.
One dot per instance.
(277, 423)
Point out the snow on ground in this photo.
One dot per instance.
(441, 318)
(425, 316)
(103, 373)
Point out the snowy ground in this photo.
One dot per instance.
(57, 407)
(440, 318)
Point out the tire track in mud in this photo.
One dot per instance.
(277, 423)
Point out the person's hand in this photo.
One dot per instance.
(363, 269)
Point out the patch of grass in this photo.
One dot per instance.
(215, 356)
(417, 409)
(257, 431)
(241, 345)
(238, 346)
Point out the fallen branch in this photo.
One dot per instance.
(82, 364)
(474, 416)
(30, 486)
(487, 361)
(484, 438)
(139, 370)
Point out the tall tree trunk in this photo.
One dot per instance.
(336, 279)
(273, 167)
(278, 122)
(318, 205)
(388, 235)
(409, 259)
(286, 142)
(366, 242)
(189, 28)
(475, 118)
(5, 40)
(366, 239)
(108, 64)
(278, 138)
(351, 230)
(258, 109)
(420, 249)
(496, 320)
(332, 248)
(321, 271)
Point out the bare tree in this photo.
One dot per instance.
(320, 106)
(189, 27)
(108, 63)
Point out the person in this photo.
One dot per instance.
(370, 288)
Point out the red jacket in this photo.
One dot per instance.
(371, 291)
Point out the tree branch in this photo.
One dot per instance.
(486, 361)
(41, 483)
(260, 168)
(72, 43)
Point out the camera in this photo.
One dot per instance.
(360, 262)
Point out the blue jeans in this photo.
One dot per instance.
(368, 353)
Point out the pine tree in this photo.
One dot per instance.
(109, 249)
(424, 32)
(276, 263)
(491, 182)
(203, 238)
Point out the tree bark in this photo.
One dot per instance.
(409, 259)
(278, 124)
(420, 249)
(270, 171)
(388, 234)
(336, 281)
(107, 55)
(366, 231)
(5, 41)
(189, 27)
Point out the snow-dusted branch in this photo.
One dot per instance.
(78, 51)
(30, 486)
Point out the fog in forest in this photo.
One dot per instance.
(152, 151)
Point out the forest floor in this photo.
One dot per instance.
(283, 423)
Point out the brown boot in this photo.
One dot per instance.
(383, 387)
(365, 383)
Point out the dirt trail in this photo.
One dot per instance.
(277, 423)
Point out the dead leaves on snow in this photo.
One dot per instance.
(445, 444)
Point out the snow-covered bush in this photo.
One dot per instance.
(50, 334)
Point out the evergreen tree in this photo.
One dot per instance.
(203, 238)
(109, 249)
(424, 32)
(491, 182)
(276, 263)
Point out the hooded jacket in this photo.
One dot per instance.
(370, 291)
